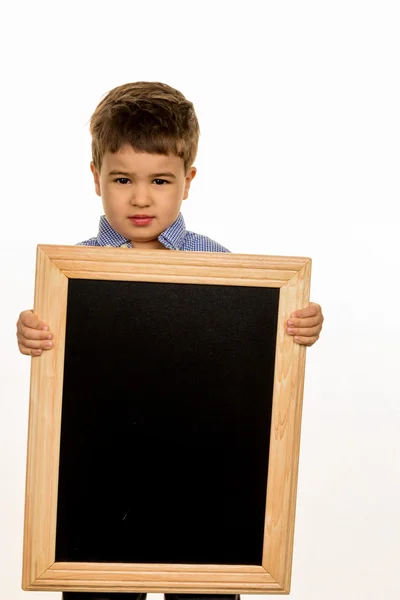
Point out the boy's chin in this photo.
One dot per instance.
(145, 239)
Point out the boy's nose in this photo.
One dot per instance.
(141, 199)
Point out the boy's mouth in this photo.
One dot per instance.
(141, 220)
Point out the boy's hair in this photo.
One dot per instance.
(150, 116)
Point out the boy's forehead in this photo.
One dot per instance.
(127, 159)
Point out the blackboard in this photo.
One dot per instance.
(165, 422)
(164, 425)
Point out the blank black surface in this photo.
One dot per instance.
(165, 422)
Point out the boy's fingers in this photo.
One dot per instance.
(306, 341)
(28, 319)
(30, 343)
(310, 311)
(32, 334)
(305, 332)
(307, 322)
(29, 351)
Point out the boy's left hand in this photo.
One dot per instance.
(306, 324)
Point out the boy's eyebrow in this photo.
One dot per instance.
(125, 174)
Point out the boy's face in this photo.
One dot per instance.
(142, 193)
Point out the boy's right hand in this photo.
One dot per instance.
(32, 334)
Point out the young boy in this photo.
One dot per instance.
(144, 143)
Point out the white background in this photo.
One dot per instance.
(299, 107)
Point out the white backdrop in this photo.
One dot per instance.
(298, 105)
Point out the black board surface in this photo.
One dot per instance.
(165, 422)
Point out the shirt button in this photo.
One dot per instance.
(124, 246)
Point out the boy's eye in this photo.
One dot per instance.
(125, 180)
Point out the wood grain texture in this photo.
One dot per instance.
(144, 567)
(55, 265)
(285, 434)
(167, 257)
(160, 578)
(175, 267)
(44, 424)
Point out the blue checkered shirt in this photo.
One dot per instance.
(176, 237)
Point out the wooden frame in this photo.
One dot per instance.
(55, 265)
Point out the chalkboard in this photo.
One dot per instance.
(156, 423)
(165, 422)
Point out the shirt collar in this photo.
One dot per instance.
(172, 238)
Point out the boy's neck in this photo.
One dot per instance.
(151, 245)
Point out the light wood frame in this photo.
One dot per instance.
(55, 265)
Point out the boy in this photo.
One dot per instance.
(144, 143)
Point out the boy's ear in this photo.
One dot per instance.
(96, 177)
(190, 175)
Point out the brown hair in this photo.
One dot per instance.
(150, 116)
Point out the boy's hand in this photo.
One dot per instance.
(33, 335)
(306, 324)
